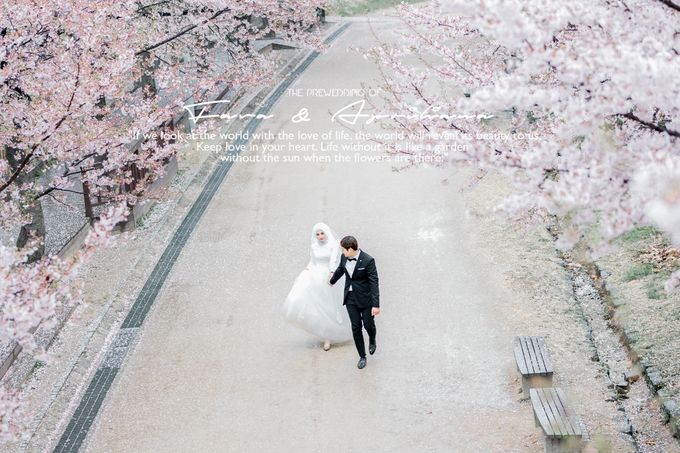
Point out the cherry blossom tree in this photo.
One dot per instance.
(80, 81)
(585, 97)
(79, 78)
(31, 295)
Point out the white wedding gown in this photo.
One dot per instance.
(312, 303)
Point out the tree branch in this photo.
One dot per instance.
(670, 4)
(57, 189)
(180, 33)
(19, 169)
(29, 155)
(650, 125)
(143, 7)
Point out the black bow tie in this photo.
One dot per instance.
(351, 259)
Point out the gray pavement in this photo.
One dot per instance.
(217, 369)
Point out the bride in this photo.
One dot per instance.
(312, 303)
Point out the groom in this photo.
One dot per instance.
(361, 293)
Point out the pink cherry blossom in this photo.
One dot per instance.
(593, 87)
(77, 79)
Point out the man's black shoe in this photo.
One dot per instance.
(371, 348)
(362, 363)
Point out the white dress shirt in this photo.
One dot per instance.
(350, 265)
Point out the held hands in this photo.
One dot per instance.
(329, 279)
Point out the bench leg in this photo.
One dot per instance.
(534, 382)
(562, 445)
(525, 388)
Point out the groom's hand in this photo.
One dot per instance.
(375, 311)
(329, 279)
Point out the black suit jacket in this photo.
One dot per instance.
(364, 280)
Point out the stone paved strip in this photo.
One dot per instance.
(86, 412)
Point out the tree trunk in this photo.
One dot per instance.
(35, 229)
(148, 83)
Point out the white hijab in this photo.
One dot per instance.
(331, 237)
(332, 242)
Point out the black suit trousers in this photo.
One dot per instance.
(357, 316)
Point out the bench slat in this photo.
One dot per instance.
(553, 402)
(540, 412)
(557, 427)
(532, 356)
(527, 357)
(551, 409)
(534, 369)
(519, 357)
(545, 354)
(572, 420)
(536, 352)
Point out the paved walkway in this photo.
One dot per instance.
(217, 369)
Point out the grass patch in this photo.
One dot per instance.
(655, 290)
(359, 7)
(637, 272)
(37, 365)
(639, 233)
(142, 220)
(655, 286)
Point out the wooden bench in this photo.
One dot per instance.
(562, 429)
(533, 362)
